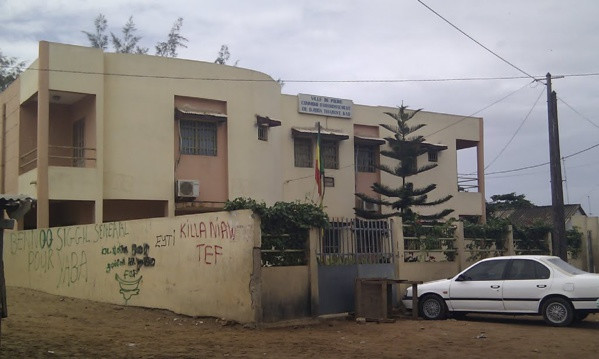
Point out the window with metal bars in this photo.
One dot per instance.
(433, 156)
(330, 154)
(365, 158)
(198, 138)
(263, 133)
(302, 152)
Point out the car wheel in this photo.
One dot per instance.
(579, 315)
(558, 312)
(432, 307)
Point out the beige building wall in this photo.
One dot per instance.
(128, 102)
(589, 226)
(9, 138)
(198, 265)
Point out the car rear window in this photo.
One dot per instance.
(566, 267)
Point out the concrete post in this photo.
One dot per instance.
(43, 136)
(509, 241)
(313, 241)
(460, 244)
(398, 244)
(256, 277)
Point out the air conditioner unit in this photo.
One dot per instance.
(187, 188)
(371, 207)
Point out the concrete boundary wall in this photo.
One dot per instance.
(199, 265)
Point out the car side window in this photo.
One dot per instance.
(489, 270)
(523, 269)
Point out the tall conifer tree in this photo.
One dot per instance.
(404, 147)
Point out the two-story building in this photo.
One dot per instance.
(98, 137)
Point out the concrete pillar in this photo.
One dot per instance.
(256, 276)
(313, 241)
(398, 245)
(43, 135)
(460, 245)
(480, 168)
(509, 241)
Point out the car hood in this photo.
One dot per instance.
(432, 286)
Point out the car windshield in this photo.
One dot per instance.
(566, 267)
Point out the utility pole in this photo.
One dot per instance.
(559, 241)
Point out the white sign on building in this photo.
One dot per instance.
(324, 106)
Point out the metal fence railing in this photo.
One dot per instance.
(356, 241)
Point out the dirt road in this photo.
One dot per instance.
(46, 326)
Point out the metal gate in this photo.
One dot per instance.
(350, 249)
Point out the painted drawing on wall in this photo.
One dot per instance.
(128, 288)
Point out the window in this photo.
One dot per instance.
(198, 138)
(565, 266)
(263, 133)
(302, 152)
(365, 158)
(329, 181)
(522, 269)
(410, 164)
(79, 143)
(330, 154)
(489, 270)
(433, 156)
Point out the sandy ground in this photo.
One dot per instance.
(40, 325)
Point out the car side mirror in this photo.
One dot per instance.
(461, 278)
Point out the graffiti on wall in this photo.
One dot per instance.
(66, 255)
(132, 259)
(55, 250)
(204, 230)
(165, 240)
(212, 230)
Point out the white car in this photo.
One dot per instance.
(543, 285)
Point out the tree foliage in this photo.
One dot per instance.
(284, 228)
(175, 40)
(223, 55)
(129, 41)
(404, 148)
(512, 200)
(98, 39)
(10, 68)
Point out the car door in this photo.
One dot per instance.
(479, 288)
(526, 282)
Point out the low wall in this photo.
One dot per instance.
(199, 265)
(285, 293)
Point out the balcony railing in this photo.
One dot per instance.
(467, 184)
(62, 156)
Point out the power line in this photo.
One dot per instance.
(479, 111)
(578, 113)
(581, 151)
(518, 169)
(448, 79)
(478, 43)
(517, 130)
(544, 163)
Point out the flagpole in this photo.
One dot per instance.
(318, 167)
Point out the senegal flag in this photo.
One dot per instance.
(318, 167)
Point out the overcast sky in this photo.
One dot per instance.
(382, 40)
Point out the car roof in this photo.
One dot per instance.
(528, 256)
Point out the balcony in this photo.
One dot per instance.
(61, 156)
(71, 134)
